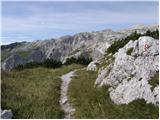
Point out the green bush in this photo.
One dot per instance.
(129, 51)
(154, 81)
(83, 61)
(19, 67)
(32, 64)
(154, 34)
(70, 61)
(50, 63)
(121, 43)
(80, 60)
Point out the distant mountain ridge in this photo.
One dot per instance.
(88, 44)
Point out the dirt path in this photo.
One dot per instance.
(68, 109)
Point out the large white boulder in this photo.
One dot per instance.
(131, 72)
(92, 66)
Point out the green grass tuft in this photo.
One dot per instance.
(4, 55)
(154, 81)
(129, 51)
(24, 54)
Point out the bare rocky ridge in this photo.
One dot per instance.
(93, 44)
(129, 74)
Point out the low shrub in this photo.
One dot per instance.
(32, 64)
(70, 61)
(154, 34)
(121, 43)
(50, 63)
(19, 67)
(154, 81)
(80, 60)
(129, 51)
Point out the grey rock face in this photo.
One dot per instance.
(92, 66)
(12, 61)
(15, 59)
(129, 74)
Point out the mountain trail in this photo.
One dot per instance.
(68, 109)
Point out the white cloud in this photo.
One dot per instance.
(73, 21)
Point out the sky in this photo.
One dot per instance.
(28, 21)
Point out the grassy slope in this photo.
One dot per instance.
(34, 93)
(91, 102)
(4, 55)
(154, 81)
(24, 54)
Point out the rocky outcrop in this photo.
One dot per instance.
(129, 74)
(12, 61)
(92, 66)
(15, 59)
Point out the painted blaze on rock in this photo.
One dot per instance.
(146, 46)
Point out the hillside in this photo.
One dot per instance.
(88, 44)
(121, 81)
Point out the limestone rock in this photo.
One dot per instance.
(92, 66)
(130, 73)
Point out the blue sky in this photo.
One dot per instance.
(28, 21)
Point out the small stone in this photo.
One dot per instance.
(6, 114)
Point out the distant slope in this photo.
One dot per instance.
(93, 44)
